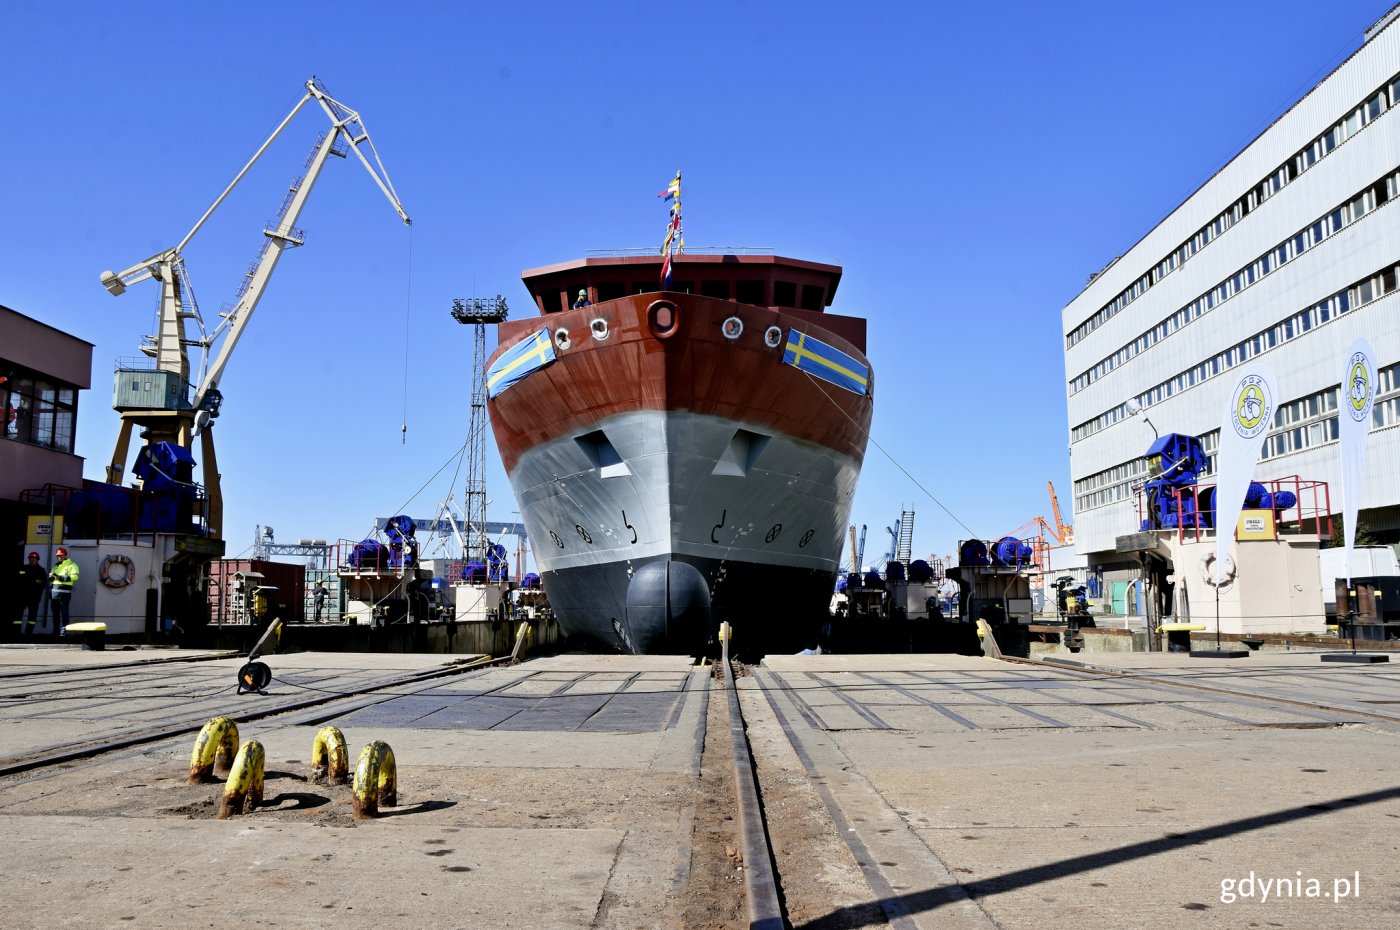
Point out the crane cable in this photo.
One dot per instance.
(407, 318)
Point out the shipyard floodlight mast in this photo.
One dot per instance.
(157, 395)
(477, 312)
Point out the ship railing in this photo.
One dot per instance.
(698, 250)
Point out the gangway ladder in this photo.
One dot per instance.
(904, 546)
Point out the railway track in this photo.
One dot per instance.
(62, 688)
(891, 855)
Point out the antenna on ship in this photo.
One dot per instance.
(477, 312)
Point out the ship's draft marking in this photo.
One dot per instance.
(718, 526)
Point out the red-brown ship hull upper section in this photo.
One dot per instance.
(685, 363)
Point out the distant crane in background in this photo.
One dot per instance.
(1034, 532)
(857, 550)
(1063, 532)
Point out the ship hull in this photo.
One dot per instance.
(669, 484)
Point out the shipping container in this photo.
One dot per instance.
(286, 598)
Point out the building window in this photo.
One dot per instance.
(39, 412)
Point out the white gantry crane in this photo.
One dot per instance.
(159, 395)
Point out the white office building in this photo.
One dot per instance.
(1287, 254)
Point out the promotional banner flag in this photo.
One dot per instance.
(1357, 396)
(1248, 415)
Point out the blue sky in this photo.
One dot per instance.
(968, 165)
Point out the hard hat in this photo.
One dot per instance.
(60, 551)
(583, 292)
(33, 555)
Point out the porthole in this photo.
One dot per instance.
(773, 337)
(732, 328)
(663, 319)
(561, 338)
(599, 329)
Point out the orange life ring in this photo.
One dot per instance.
(118, 577)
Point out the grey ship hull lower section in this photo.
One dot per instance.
(653, 527)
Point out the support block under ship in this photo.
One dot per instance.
(688, 456)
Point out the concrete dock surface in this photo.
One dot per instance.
(899, 791)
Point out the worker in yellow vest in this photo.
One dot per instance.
(61, 580)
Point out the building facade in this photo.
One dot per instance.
(42, 371)
(1287, 255)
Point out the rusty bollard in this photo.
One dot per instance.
(376, 780)
(330, 757)
(244, 790)
(214, 748)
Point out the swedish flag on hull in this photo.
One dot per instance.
(523, 358)
(815, 357)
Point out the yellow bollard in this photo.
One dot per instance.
(213, 748)
(330, 758)
(376, 780)
(244, 790)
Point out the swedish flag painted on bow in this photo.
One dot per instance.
(523, 358)
(817, 358)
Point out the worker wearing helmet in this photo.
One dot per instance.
(61, 580)
(32, 582)
(583, 300)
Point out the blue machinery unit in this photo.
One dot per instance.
(1176, 461)
(1173, 500)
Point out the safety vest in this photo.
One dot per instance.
(65, 574)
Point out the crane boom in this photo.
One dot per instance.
(284, 234)
(171, 415)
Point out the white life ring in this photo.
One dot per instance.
(1208, 571)
(116, 571)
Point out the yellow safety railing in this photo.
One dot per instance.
(214, 748)
(244, 790)
(376, 780)
(330, 757)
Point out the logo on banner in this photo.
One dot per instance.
(1359, 395)
(1252, 407)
